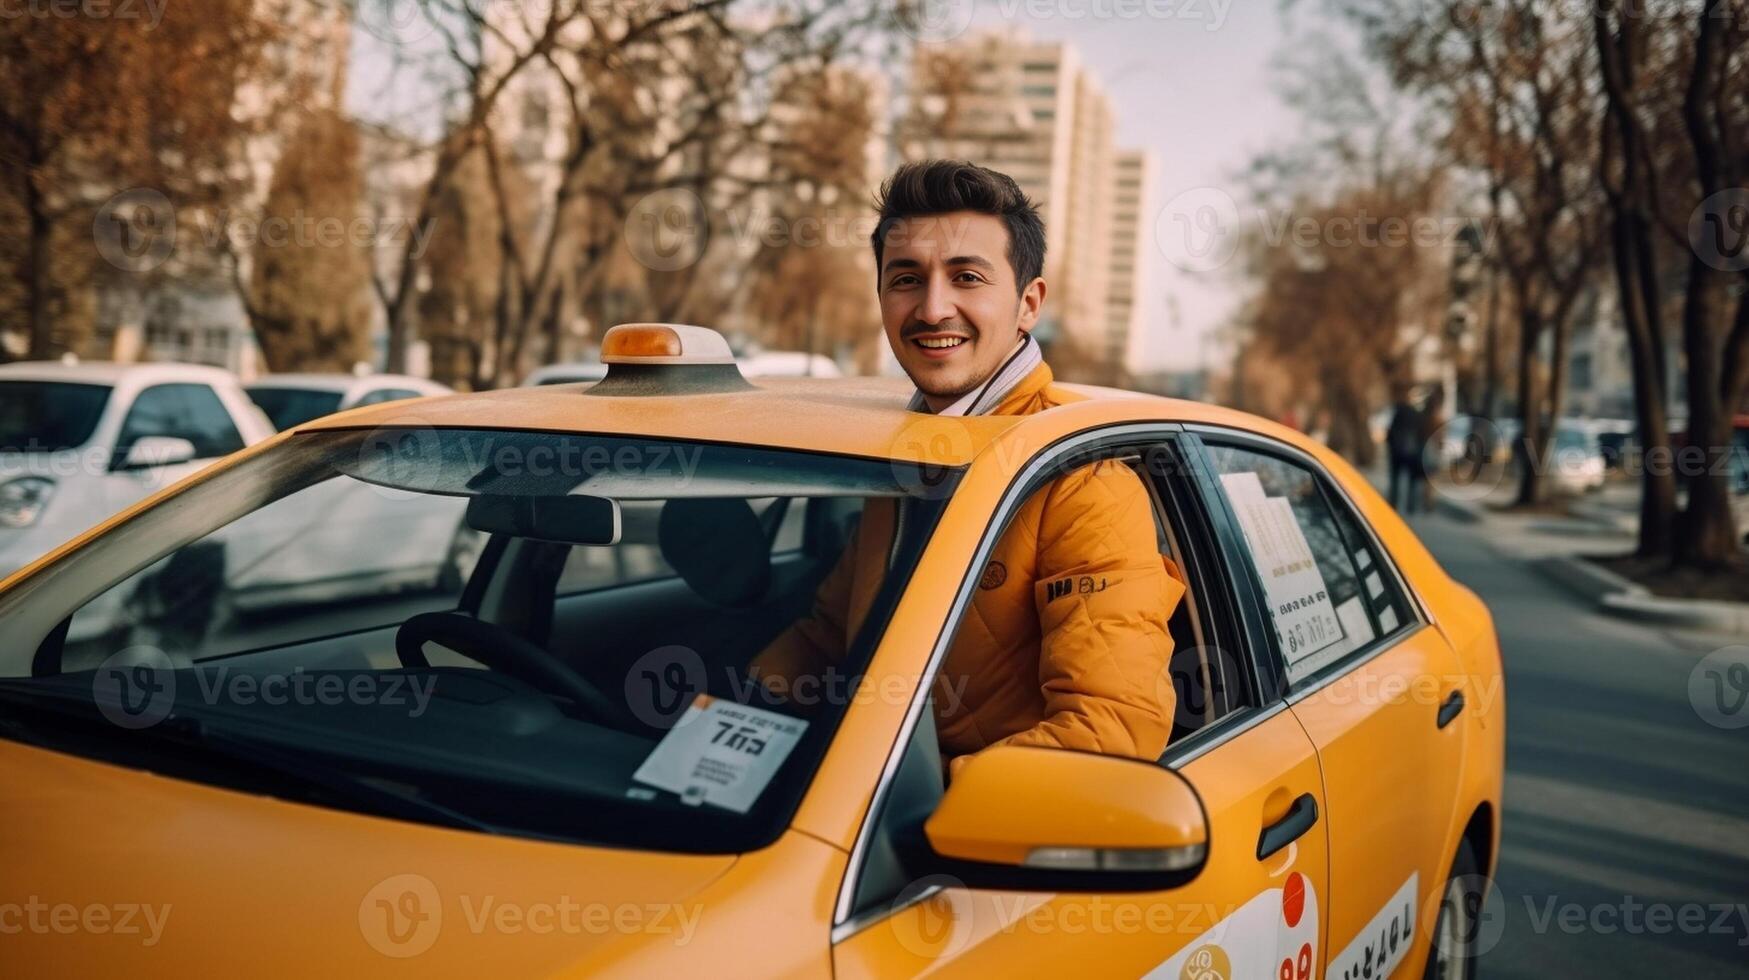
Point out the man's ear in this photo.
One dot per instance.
(1032, 303)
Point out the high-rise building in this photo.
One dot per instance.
(1131, 214)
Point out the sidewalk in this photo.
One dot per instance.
(1555, 545)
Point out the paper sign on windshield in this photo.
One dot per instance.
(1299, 604)
(721, 753)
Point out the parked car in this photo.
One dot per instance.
(1575, 458)
(594, 744)
(81, 442)
(291, 400)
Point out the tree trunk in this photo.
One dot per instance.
(1532, 450)
(1706, 533)
(39, 283)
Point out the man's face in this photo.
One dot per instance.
(949, 301)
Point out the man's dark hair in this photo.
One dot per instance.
(932, 187)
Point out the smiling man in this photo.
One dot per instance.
(959, 251)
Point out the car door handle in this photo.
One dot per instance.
(1451, 708)
(1299, 819)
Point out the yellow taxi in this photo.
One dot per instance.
(283, 755)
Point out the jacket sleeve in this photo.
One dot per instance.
(1103, 597)
(810, 645)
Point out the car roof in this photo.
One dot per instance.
(341, 382)
(859, 416)
(110, 373)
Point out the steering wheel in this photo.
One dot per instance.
(502, 650)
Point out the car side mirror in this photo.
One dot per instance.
(1022, 818)
(150, 451)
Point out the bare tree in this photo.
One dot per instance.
(92, 105)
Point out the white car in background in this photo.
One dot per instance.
(766, 364)
(1576, 462)
(290, 400)
(80, 442)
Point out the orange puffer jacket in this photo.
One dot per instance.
(1065, 643)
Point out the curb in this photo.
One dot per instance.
(1590, 582)
(1458, 510)
(1617, 596)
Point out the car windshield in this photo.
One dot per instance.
(49, 416)
(522, 633)
(289, 407)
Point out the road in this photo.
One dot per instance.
(1626, 835)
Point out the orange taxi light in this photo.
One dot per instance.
(664, 343)
(640, 340)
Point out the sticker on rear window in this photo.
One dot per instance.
(721, 753)
(1299, 603)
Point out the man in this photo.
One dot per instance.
(959, 252)
(1403, 445)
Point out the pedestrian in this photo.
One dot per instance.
(1403, 448)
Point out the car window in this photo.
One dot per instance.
(588, 567)
(181, 411)
(49, 416)
(290, 407)
(1326, 589)
(381, 395)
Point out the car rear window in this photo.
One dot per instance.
(289, 407)
(49, 416)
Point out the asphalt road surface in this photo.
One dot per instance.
(1626, 836)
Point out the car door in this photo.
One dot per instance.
(1254, 909)
(1373, 685)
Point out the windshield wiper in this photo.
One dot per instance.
(248, 755)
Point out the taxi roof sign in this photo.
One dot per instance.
(664, 343)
